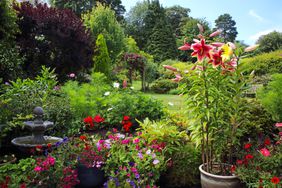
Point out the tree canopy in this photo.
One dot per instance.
(226, 24)
(270, 42)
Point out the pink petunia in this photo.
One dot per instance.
(265, 152)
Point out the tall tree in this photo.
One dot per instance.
(82, 6)
(102, 59)
(227, 25)
(135, 23)
(102, 20)
(54, 38)
(161, 41)
(270, 42)
(177, 17)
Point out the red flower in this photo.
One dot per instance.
(126, 118)
(216, 58)
(82, 137)
(98, 119)
(275, 180)
(23, 185)
(87, 147)
(247, 146)
(240, 162)
(233, 168)
(249, 156)
(127, 126)
(89, 121)
(267, 142)
(265, 152)
(49, 145)
(201, 50)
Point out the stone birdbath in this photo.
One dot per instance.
(37, 128)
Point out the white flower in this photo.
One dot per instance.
(116, 85)
(156, 161)
(109, 109)
(170, 104)
(107, 93)
(148, 151)
(131, 87)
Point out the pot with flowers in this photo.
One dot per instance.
(214, 88)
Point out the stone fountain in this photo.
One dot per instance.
(37, 128)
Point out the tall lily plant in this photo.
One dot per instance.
(214, 86)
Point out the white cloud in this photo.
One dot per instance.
(256, 16)
(256, 36)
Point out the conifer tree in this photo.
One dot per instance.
(161, 41)
(101, 58)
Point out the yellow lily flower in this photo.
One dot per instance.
(226, 52)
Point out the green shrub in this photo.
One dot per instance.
(22, 96)
(267, 63)
(99, 97)
(270, 97)
(163, 85)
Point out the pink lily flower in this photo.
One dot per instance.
(278, 125)
(201, 50)
(217, 44)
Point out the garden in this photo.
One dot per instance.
(92, 98)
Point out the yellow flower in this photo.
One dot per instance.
(226, 52)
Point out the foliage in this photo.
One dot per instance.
(264, 64)
(14, 174)
(102, 61)
(135, 23)
(131, 45)
(59, 37)
(22, 96)
(134, 162)
(83, 6)
(111, 103)
(133, 104)
(163, 86)
(183, 171)
(259, 163)
(157, 30)
(177, 17)
(102, 20)
(10, 62)
(216, 85)
(270, 97)
(8, 20)
(270, 42)
(225, 23)
(87, 98)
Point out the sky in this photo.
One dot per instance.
(253, 17)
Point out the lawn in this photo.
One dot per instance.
(174, 103)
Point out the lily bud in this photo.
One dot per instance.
(217, 44)
(251, 48)
(170, 68)
(216, 33)
(232, 45)
(185, 47)
(201, 28)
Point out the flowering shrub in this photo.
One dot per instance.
(260, 163)
(133, 162)
(93, 122)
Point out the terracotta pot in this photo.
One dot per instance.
(209, 180)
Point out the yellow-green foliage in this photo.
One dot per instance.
(267, 63)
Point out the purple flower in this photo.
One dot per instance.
(131, 164)
(156, 161)
(71, 75)
(56, 88)
(140, 155)
(137, 176)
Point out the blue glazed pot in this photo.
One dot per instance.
(90, 177)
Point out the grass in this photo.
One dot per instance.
(174, 103)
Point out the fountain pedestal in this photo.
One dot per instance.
(37, 128)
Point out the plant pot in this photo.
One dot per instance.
(90, 177)
(209, 180)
